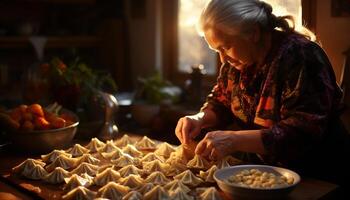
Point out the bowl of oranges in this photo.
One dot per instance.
(37, 129)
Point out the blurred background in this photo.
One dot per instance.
(146, 53)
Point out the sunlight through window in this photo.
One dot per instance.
(193, 48)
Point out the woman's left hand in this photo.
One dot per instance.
(217, 144)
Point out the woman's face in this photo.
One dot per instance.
(235, 50)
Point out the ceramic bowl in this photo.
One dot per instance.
(245, 192)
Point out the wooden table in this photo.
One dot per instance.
(308, 188)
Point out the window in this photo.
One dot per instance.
(192, 49)
(287, 7)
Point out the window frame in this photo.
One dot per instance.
(171, 47)
(170, 41)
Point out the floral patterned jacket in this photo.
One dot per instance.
(292, 97)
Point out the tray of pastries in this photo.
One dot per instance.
(125, 168)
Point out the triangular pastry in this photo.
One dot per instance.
(94, 145)
(188, 178)
(57, 176)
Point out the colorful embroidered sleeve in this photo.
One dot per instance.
(219, 98)
(309, 94)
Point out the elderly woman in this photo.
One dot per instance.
(275, 83)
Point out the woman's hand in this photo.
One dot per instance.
(189, 127)
(217, 144)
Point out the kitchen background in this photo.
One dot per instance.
(127, 40)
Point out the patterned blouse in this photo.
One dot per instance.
(291, 97)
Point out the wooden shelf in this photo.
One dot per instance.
(52, 42)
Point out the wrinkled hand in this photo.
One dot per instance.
(217, 144)
(188, 127)
(189, 149)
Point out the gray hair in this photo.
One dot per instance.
(240, 16)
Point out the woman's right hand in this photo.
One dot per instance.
(189, 127)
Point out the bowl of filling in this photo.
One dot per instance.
(36, 129)
(256, 181)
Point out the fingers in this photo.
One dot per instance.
(203, 148)
(186, 128)
(182, 130)
(194, 132)
(208, 149)
(215, 155)
(178, 130)
(200, 147)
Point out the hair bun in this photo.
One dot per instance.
(267, 7)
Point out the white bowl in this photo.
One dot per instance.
(237, 191)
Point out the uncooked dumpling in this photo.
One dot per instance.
(133, 195)
(155, 165)
(176, 184)
(87, 177)
(85, 168)
(208, 176)
(157, 178)
(130, 169)
(157, 193)
(57, 176)
(164, 149)
(150, 157)
(131, 150)
(35, 173)
(177, 157)
(145, 188)
(179, 194)
(49, 158)
(106, 176)
(28, 165)
(189, 149)
(80, 193)
(208, 193)
(175, 168)
(113, 155)
(75, 181)
(113, 191)
(227, 162)
(123, 141)
(188, 178)
(109, 147)
(62, 161)
(133, 181)
(88, 159)
(94, 145)
(173, 158)
(77, 150)
(198, 162)
(145, 144)
(125, 160)
(106, 166)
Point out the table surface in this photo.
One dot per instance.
(308, 188)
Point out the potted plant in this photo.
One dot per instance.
(78, 87)
(152, 92)
(76, 82)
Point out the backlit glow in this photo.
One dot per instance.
(193, 48)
